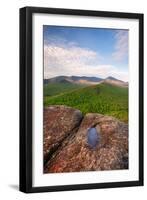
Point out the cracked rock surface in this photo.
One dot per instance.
(58, 123)
(74, 154)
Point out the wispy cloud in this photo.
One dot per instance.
(69, 59)
(121, 46)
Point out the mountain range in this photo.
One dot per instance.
(85, 80)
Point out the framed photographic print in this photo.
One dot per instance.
(81, 99)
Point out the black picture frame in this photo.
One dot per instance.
(26, 73)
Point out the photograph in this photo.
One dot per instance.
(81, 99)
(85, 99)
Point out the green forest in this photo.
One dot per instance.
(102, 98)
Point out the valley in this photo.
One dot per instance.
(105, 97)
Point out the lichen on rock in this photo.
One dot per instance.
(58, 123)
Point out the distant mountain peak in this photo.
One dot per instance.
(111, 78)
(114, 81)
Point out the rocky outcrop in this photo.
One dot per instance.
(75, 153)
(59, 122)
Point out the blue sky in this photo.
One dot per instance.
(85, 51)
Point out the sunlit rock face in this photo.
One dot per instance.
(59, 122)
(98, 142)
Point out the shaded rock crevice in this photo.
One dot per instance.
(53, 150)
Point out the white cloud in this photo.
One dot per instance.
(73, 60)
(121, 46)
